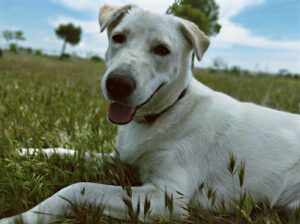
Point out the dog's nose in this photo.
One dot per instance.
(120, 86)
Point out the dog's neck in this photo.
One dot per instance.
(150, 118)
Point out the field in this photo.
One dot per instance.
(46, 103)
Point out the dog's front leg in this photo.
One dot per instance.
(98, 194)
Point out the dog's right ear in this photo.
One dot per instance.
(109, 13)
(195, 36)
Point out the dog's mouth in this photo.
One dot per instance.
(120, 114)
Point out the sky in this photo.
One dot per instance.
(257, 35)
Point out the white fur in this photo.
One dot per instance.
(192, 141)
(61, 152)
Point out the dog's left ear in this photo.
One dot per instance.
(195, 36)
(109, 13)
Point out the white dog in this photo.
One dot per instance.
(178, 132)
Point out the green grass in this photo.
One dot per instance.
(45, 102)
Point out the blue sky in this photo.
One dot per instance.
(260, 35)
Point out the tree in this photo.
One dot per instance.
(13, 35)
(204, 13)
(219, 64)
(7, 35)
(18, 36)
(70, 34)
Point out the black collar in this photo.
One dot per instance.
(152, 117)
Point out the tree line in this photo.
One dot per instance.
(13, 36)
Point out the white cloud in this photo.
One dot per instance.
(88, 26)
(46, 39)
(154, 5)
(232, 34)
(230, 8)
(12, 28)
(89, 5)
(82, 45)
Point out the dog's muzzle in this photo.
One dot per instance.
(119, 86)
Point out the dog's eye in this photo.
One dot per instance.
(161, 50)
(119, 38)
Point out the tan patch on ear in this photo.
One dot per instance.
(108, 13)
(105, 13)
(196, 37)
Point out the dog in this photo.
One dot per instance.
(178, 132)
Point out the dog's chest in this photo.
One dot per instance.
(169, 131)
(134, 141)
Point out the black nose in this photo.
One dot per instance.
(120, 86)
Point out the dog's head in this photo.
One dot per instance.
(148, 60)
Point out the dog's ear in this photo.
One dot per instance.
(195, 36)
(109, 13)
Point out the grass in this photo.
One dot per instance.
(45, 103)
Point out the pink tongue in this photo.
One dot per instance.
(120, 114)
